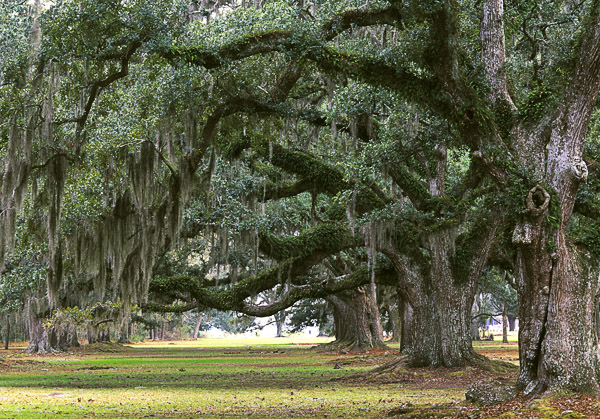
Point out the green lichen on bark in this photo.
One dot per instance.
(315, 239)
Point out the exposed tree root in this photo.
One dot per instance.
(478, 361)
(401, 369)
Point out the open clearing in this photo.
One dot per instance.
(226, 378)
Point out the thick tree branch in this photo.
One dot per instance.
(414, 188)
(474, 244)
(322, 237)
(97, 86)
(374, 70)
(584, 88)
(274, 192)
(494, 50)
(360, 277)
(356, 17)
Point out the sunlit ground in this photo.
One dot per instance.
(278, 377)
(226, 378)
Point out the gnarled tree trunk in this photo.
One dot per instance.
(441, 297)
(441, 329)
(557, 288)
(356, 320)
(43, 339)
(441, 320)
(558, 344)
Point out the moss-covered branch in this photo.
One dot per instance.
(360, 276)
(360, 17)
(375, 70)
(274, 192)
(413, 187)
(279, 40)
(232, 298)
(315, 239)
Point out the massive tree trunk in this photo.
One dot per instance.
(440, 331)
(44, 339)
(441, 294)
(558, 344)
(557, 283)
(406, 314)
(356, 320)
(556, 286)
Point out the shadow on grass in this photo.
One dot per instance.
(242, 377)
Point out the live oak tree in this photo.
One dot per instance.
(315, 177)
(97, 218)
(518, 111)
(427, 272)
(530, 141)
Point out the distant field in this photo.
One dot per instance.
(231, 378)
(234, 342)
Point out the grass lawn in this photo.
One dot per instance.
(227, 378)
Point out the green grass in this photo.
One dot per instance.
(209, 378)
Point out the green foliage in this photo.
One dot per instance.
(499, 289)
(238, 24)
(539, 101)
(311, 314)
(24, 272)
(15, 25)
(368, 123)
(71, 28)
(308, 242)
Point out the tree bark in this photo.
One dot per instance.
(72, 340)
(357, 322)
(556, 284)
(91, 335)
(279, 322)
(7, 337)
(441, 328)
(197, 326)
(407, 314)
(558, 344)
(441, 301)
(46, 339)
(504, 328)
(512, 323)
